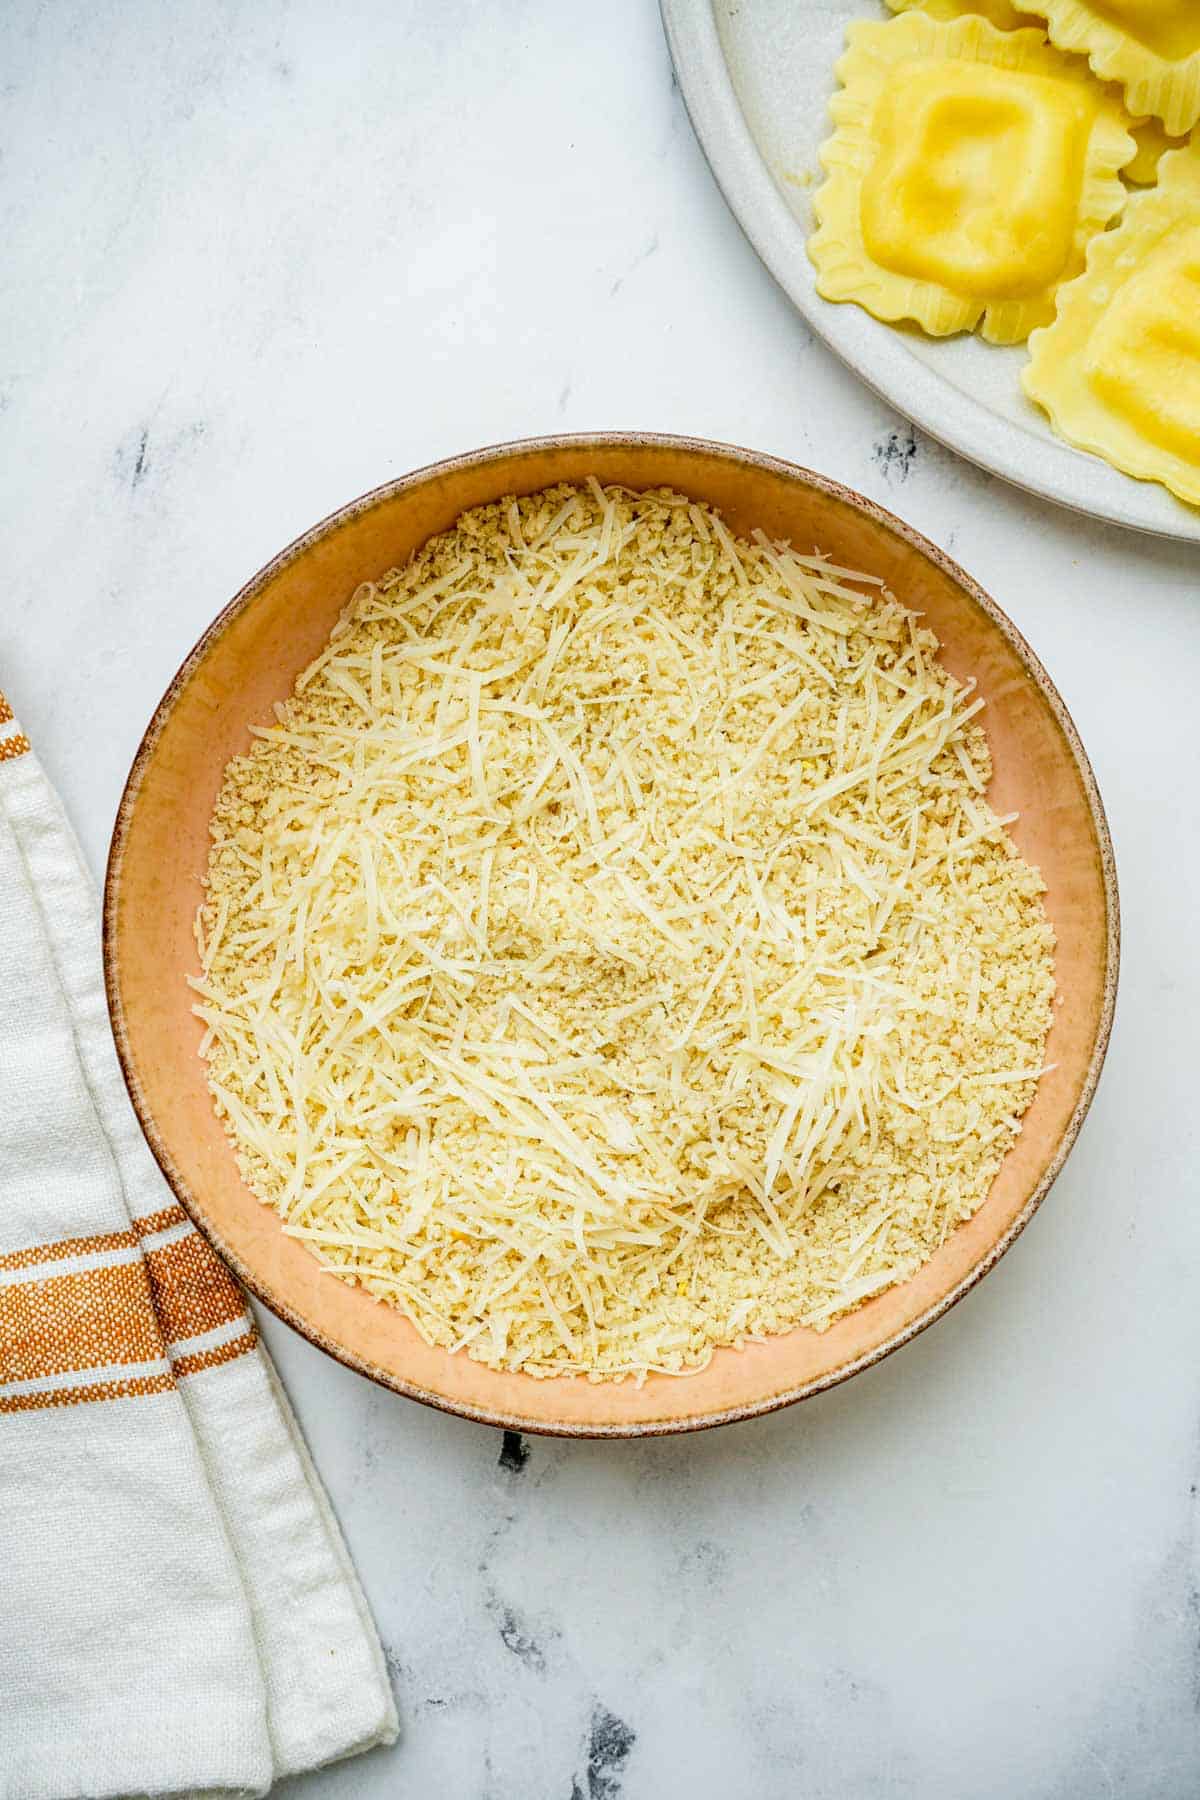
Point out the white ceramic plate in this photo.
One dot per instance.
(757, 76)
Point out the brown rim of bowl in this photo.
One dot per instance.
(617, 440)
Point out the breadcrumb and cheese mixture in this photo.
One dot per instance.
(609, 952)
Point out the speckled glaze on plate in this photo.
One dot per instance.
(250, 657)
(756, 76)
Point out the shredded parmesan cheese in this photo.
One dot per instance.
(609, 952)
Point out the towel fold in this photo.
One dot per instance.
(178, 1610)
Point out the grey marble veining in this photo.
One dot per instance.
(260, 255)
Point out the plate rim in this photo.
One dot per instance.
(928, 400)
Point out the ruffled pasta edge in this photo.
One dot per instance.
(846, 272)
(1169, 91)
(1052, 379)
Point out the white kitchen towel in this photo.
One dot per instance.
(178, 1610)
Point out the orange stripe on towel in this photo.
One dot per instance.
(193, 1290)
(159, 1221)
(34, 1254)
(196, 1362)
(127, 1387)
(60, 1323)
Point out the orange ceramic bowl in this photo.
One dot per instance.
(250, 658)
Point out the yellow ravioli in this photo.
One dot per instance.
(1153, 142)
(1152, 47)
(1150, 135)
(968, 169)
(1119, 370)
(998, 12)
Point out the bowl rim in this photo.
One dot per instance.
(607, 440)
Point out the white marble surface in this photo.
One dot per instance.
(259, 255)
